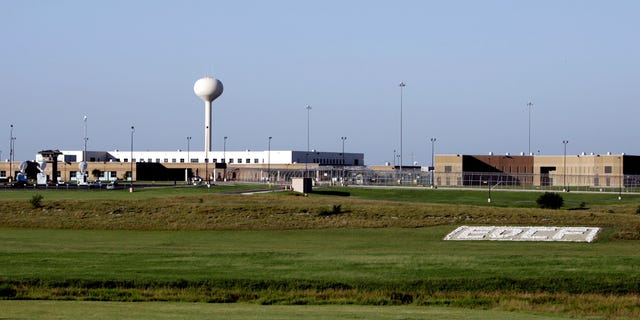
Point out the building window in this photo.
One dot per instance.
(607, 169)
(194, 160)
(126, 160)
(182, 160)
(447, 169)
(215, 160)
(230, 160)
(239, 160)
(248, 161)
(256, 160)
(149, 160)
(173, 160)
(3, 174)
(166, 160)
(157, 160)
(112, 174)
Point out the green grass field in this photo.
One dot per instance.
(53, 310)
(381, 247)
(386, 266)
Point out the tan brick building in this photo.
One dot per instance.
(592, 170)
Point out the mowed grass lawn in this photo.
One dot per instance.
(331, 266)
(351, 256)
(87, 310)
(338, 247)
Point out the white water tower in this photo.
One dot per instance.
(207, 89)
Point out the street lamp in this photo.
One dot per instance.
(433, 141)
(11, 153)
(133, 129)
(306, 162)
(188, 149)
(566, 188)
(401, 85)
(269, 162)
(224, 158)
(529, 104)
(621, 176)
(343, 164)
(84, 155)
(433, 166)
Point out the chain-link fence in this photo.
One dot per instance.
(413, 176)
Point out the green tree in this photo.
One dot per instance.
(96, 173)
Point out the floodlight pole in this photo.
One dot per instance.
(224, 158)
(343, 163)
(11, 153)
(401, 85)
(133, 129)
(433, 167)
(529, 105)
(269, 163)
(566, 187)
(84, 155)
(621, 177)
(188, 149)
(306, 161)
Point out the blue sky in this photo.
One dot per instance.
(470, 69)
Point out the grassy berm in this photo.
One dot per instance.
(335, 246)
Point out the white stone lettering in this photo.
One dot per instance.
(567, 233)
(506, 233)
(531, 233)
(475, 233)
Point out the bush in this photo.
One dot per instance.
(336, 209)
(7, 291)
(550, 200)
(36, 200)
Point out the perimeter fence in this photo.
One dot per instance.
(412, 176)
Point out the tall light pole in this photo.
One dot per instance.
(529, 105)
(433, 142)
(343, 163)
(566, 188)
(224, 158)
(224, 150)
(433, 166)
(306, 161)
(621, 176)
(188, 149)
(11, 153)
(269, 162)
(133, 129)
(401, 85)
(84, 154)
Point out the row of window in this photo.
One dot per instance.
(328, 161)
(193, 160)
